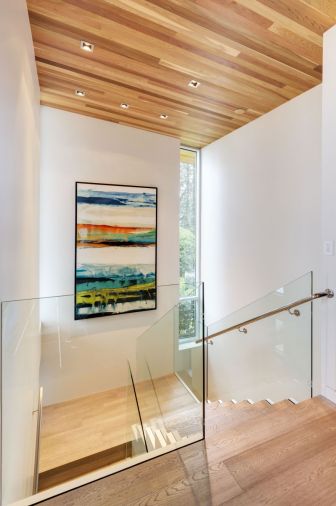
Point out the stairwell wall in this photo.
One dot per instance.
(261, 200)
(19, 251)
(328, 271)
(78, 148)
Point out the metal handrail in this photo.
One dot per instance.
(241, 326)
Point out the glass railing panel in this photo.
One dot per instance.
(189, 363)
(173, 371)
(273, 359)
(147, 362)
(188, 348)
(21, 351)
(290, 292)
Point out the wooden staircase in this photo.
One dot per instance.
(239, 427)
(253, 454)
(275, 453)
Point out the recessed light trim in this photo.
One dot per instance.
(194, 84)
(80, 93)
(163, 116)
(87, 46)
(124, 105)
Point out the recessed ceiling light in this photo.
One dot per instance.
(86, 46)
(194, 84)
(163, 116)
(80, 93)
(124, 106)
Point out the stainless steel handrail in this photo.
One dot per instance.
(241, 326)
(37, 442)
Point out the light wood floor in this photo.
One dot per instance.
(81, 427)
(253, 455)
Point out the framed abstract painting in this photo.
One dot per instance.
(116, 249)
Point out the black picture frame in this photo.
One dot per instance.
(100, 315)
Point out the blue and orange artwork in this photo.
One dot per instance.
(115, 249)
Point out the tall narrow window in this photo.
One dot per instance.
(189, 242)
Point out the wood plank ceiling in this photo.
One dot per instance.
(250, 56)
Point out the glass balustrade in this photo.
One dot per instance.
(114, 390)
(267, 359)
(169, 372)
(85, 398)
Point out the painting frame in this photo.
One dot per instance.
(99, 315)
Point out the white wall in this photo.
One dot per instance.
(19, 146)
(261, 207)
(19, 208)
(78, 148)
(328, 274)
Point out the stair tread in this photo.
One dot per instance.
(285, 404)
(223, 419)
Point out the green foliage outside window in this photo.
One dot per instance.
(188, 243)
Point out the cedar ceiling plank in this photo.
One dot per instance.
(284, 21)
(301, 13)
(310, 51)
(326, 6)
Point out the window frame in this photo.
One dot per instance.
(184, 342)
